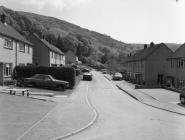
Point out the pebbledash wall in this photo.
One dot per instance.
(12, 53)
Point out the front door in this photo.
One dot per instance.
(1, 73)
(160, 79)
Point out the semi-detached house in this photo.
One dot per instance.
(14, 50)
(44, 53)
(148, 66)
(176, 68)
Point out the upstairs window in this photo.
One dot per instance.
(21, 47)
(8, 44)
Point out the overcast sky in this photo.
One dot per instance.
(131, 21)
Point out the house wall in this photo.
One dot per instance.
(7, 55)
(12, 56)
(41, 54)
(136, 67)
(24, 57)
(177, 72)
(156, 64)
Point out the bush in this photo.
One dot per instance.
(10, 82)
(60, 73)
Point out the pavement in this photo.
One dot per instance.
(41, 119)
(158, 98)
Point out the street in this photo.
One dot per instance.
(118, 117)
(122, 117)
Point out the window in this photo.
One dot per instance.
(21, 47)
(52, 55)
(8, 44)
(172, 63)
(7, 69)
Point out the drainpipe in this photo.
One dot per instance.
(16, 54)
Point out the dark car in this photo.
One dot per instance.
(87, 76)
(182, 98)
(42, 80)
(117, 76)
(84, 70)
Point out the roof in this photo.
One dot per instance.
(50, 46)
(8, 31)
(144, 53)
(179, 53)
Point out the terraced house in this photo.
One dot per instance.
(148, 66)
(176, 68)
(44, 53)
(14, 50)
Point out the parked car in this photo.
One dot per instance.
(42, 80)
(182, 98)
(87, 76)
(117, 76)
(85, 70)
(104, 71)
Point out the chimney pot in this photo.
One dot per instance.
(145, 46)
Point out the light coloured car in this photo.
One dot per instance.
(117, 76)
(87, 76)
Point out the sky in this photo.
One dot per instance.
(131, 21)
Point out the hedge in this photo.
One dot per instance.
(60, 73)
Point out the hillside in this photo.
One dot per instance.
(88, 45)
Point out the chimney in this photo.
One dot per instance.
(152, 44)
(3, 18)
(145, 46)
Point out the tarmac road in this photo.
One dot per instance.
(123, 118)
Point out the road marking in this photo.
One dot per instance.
(84, 127)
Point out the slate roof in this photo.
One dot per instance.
(144, 53)
(8, 31)
(179, 53)
(50, 46)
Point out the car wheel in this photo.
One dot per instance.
(61, 88)
(182, 100)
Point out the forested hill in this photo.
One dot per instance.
(88, 45)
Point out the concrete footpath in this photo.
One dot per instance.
(148, 99)
(69, 116)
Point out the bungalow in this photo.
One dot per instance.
(70, 57)
(176, 68)
(148, 66)
(44, 53)
(14, 50)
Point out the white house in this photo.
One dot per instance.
(14, 50)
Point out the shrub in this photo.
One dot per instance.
(60, 73)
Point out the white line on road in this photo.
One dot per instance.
(86, 126)
(34, 125)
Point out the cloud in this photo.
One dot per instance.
(55, 4)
